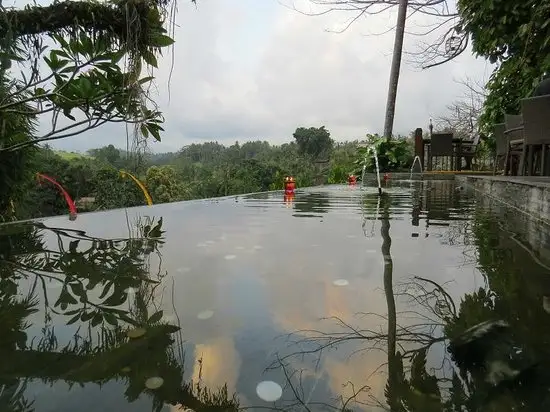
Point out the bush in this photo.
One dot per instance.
(394, 155)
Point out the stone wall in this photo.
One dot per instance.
(530, 195)
(524, 203)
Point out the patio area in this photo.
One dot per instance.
(521, 144)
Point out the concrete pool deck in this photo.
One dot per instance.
(528, 194)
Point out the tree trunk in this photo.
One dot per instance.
(393, 392)
(395, 67)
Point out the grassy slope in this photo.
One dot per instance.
(70, 155)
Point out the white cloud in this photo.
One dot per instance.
(245, 69)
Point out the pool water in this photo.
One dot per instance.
(431, 297)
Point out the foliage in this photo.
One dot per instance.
(111, 191)
(342, 162)
(164, 185)
(393, 154)
(14, 167)
(314, 142)
(105, 287)
(88, 75)
(516, 36)
(196, 171)
(108, 154)
(84, 80)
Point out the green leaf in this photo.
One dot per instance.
(144, 131)
(97, 319)
(171, 328)
(10, 56)
(117, 56)
(85, 317)
(155, 317)
(145, 80)
(105, 290)
(154, 130)
(67, 113)
(85, 87)
(78, 289)
(160, 40)
(149, 58)
(115, 299)
(73, 319)
(61, 41)
(110, 319)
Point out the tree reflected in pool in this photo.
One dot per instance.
(101, 291)
(490, 351)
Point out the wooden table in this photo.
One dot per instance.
(458, 143)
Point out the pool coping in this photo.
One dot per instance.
(529, 195)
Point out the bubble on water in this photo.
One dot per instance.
(205, 314)
(229, 257)
(201, 244)
(370, 251)
(183, 269)
(269, 391)
(209, 242)
(258, 247)
(351, 236)
(154, 383)
(340, 282)
(239, 247)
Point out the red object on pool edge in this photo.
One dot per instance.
(352, 180)
(386, 177)
(290, 185)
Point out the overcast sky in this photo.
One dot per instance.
(255, 69)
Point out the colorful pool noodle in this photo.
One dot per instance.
(148, 198)
(70, 203)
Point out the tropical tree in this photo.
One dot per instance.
(515, 36)
(164, 185)
(80, 67)
(106, 287)
(444, 48)
(314, 142)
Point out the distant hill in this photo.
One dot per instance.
(161, 158)
(70, 155)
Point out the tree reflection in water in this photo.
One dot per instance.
(105, 288)
(493, 351)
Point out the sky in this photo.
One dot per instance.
(258, 69)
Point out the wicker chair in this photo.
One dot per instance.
(514, 142)
(441, 145)
(501, 145)
(536, 116)
(468, 149)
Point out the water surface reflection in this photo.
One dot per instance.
(231, 293)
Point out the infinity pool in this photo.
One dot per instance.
(429, 298)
